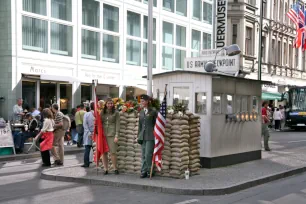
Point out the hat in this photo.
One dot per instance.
(144, 97)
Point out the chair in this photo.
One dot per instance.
(33, 144)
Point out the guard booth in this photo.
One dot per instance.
(229, 108)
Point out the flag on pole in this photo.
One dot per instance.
(159, 133)
(293, 15)
(99, 137)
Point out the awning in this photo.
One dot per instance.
(69, 79)
(271, 96)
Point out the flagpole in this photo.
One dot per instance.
(165, 94)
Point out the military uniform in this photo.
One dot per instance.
(111, 125)
(147, 119)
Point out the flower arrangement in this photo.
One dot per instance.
(130, 106)
(179, 108)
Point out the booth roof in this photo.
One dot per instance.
(205, 73)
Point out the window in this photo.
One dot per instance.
(168, 33)
(35, 6)
(91, 13)
(252, 2)
(238, 104)
(264, 7)
(244, 104)
(197, 10)
(110, 18)
(201, 103)
(168, 5)
(133, 48)
(263, 49)
(181, 95)
(195, 43)
(145, 55)
(34, 34)
(281, 11)
(255, 107)
(273, 53)
(145, 27)
(180, 36)
(181, 7)
(61, 39)
(133, 24)
(235, 34)
(61, 9)
(275, 9)
(90, 45)
(180, 56)
(110, 48)
(248, 41)
(154, 2)
(285, 54)
(290, 56)
(229, 104)
(168, 58)
(216, 103)
(279, 48)
(207, 12)
(296, 57)
(206, 41)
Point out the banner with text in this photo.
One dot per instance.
(221, 23)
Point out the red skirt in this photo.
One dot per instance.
(47, 142)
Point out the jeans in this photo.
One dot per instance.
(266, 135)
(74, 135)
(80, 130)
(17, 139)
(86, 154)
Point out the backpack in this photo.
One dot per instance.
(66, 123)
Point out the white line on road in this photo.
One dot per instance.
(297, 141)
(188, 201)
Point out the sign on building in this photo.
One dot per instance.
(221, 22)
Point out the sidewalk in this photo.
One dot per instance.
(69, 149)
(280, 163)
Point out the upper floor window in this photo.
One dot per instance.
(61, 9)
(35, 6)
(248, 41)
(176, 6)
(110, 18)
(207, 12)
(133, 24)
(91, 13)
(202, 11)
(154, 2)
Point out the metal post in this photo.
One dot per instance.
(260, 41)
(150, 47)
(214, 9)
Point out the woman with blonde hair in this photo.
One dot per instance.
(111, 124)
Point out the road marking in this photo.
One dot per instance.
(297, 141)
(188, 201)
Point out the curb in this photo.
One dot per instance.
(18, 157)
(178, 191)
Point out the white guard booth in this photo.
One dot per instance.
(229, 108)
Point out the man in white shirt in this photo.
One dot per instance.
(18, 110)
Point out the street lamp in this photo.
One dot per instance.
(231, 50)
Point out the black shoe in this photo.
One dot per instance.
(144, 175)
(58, 163)
(268, 149)
(105, 172)
(46, 165)
(85, 166)
(116, 172)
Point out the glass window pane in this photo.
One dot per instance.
(168, 57)
(110, 48)
(168, 33)
(168, 5)
(255, 104)
(133, 48)
(196, 40)
(133, 24)
(145, 55)
(217, 103)
(179, 59)
(207, 12)
(34, 34)
(180, 36)
(228, 105)
(86, 94)
(201, 100)
(61, 39)
(238, 104)
(29, 94)
(110, 18)
(181, 7)
(61, 9)
(181, 95)
(35, 6)
(206, 41)
(244, 103)
(91, 13)
(145, 27)
(195, 54)
(197, 4)
(65, 98)
(90, 45)
(154, 2)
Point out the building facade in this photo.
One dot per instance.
(51, 50)
(282, 64)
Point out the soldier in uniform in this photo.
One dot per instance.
(147, 119)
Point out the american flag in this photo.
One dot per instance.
(159, 133)
(293, 15)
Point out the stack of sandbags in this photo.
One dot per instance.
(194, 144)
(132, 122)
(179, 138)
(122, 143)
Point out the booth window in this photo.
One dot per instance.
(201, 103)
(241, 104)
(181, 95)
(217, 103)
(228, 104)
(255, 104)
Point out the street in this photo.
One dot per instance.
(20, 183)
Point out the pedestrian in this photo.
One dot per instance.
(46, 137)
(89, 126)
(59, 134)
(18, 110)
(111, 124)
(282, 110)
(147, 119)
(79, 116)
(73, 131)
(277, 116)
(264, 127)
